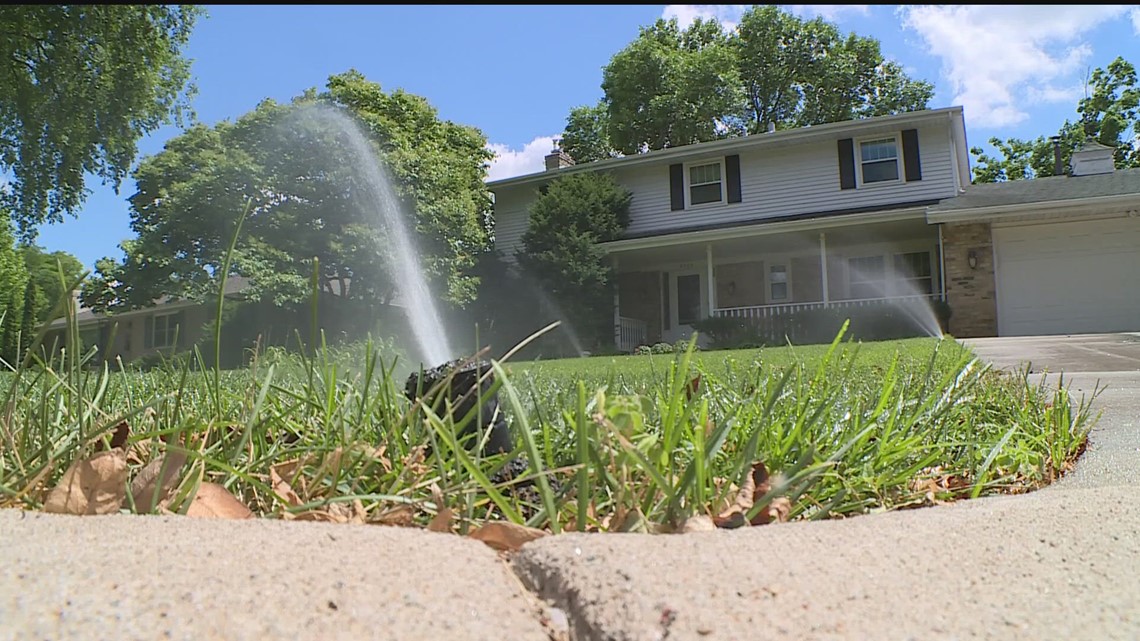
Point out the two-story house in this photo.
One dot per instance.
(848, 214)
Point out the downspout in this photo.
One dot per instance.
(941, 263)
(823, 265)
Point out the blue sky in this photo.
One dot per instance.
(515, 72)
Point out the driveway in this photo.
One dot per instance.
(1070, 354)
(1104, 364)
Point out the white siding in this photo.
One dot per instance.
(775, 182)
(788, 181)
(511, 217)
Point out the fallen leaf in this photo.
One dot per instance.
(119, 437)
(506, 537)
(441, 522)
(148, 489)
(402, 515)
(756, 485)
(215, 502)
(698, 523)
(282, 489)
(95, 485)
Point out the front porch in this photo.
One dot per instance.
(760, 278)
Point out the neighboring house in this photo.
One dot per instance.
(168, 326)
(857, 213)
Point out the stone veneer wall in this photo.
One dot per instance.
(970, 292)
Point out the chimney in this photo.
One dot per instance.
(1093, 158)
(558, 159)
(1058, 168)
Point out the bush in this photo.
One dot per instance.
(870, 323)
(643, 350)
(662, 348)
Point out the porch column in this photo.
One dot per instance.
(712, 286)
(617, 306)
(823, 265)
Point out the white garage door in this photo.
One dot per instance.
(1068, 278)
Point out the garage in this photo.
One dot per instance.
(1074, 277)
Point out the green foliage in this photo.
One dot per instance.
(671, 87)
(1108, 115)
(311, 198)
(674, 86)
(561, 252)
(44, 271)
(661, 348)
(82, 84)
(586, 138)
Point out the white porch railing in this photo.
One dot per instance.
(631, 333)
(772, 311)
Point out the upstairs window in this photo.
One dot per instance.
(879, 160)
(706, 184)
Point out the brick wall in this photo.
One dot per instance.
(970, 291)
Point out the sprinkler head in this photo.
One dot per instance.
(461, 393)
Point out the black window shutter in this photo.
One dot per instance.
(676, 187)
(732, 168)
(911, 164)
(847, 164)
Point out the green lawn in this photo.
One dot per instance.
(631, 442)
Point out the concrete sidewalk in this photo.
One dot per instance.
(1062, 562)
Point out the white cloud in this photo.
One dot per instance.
(995, 57)
(1136, 21)
(726, 14)
(509, 163)
(829, 12)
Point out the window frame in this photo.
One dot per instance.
(787, 282)
(898, 276)
(894, 137)
(170, 334)
(884, 280)
(688, 167)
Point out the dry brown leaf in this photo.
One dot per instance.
(756, 485)
(95, 485)
(215, 502)
(282, 488)
(148, 489)
(506, 537)
(441, 522)
(402, 515)
(698, 523)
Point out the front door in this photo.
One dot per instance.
(687, 306)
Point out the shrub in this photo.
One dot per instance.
(662, 348)
(643, 350)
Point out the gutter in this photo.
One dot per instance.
(997, 212)
(761, 229)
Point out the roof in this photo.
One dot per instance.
(786, 136)
(1123, 182)
(234, 285)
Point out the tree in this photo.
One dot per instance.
(311, 196)
(561, 252)
(671, 87)
(13, 278)
(586, 138)
(44, 272)
(674, 86)
(82, 83)
(1108, 114)
(32, 302)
